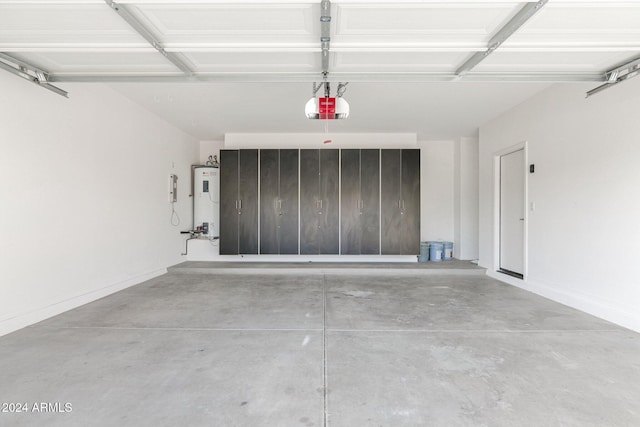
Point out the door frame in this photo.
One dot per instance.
(496, 207)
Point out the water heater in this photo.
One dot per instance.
(206, 199)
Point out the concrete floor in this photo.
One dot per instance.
(323, 349)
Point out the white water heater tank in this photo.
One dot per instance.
(206, 199)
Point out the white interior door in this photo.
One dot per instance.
(512, 175)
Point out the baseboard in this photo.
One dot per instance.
(310, 258)
(387, 271)
(22, 320)
(586, 303)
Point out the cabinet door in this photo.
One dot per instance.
(288, 206)
(309, 201)
(350, 202)
(269, 201)
(370, 202)
(410, 202)
(329, 221)
(391, 241)
(248, 203)
(228, 201)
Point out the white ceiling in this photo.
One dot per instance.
(432, 110)
(256, 59)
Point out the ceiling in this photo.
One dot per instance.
(248, 66)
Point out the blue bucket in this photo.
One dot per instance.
(447, 250)
(435, 251)
(424, 252)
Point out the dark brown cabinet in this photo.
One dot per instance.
(319, 209)
(327, 201)
(360, 202)
(238, 202)
(400, 207)
(279, 202)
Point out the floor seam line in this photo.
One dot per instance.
(324, 330)
(491, 331)
(324, 349)
(180, 329)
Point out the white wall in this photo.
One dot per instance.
(466, 198)
(436, 186)
(585, 231)
(84, 191)
(320, 140)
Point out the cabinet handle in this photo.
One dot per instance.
(399, 207)
(403, 205)
(280, 204)
(240, 204)
(236, 204)
(320, 203)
